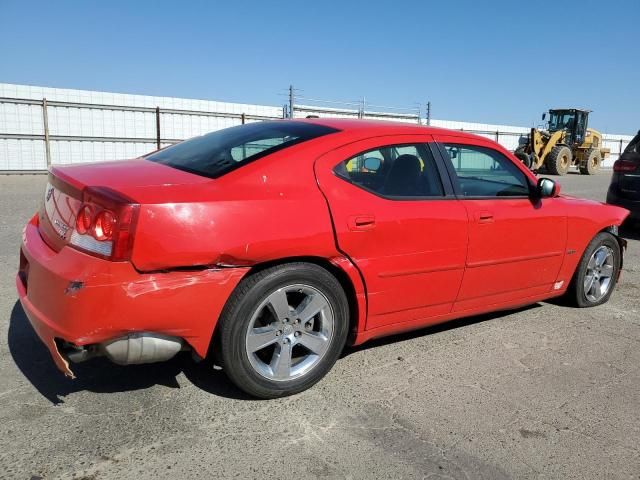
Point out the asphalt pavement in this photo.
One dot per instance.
(546, 391)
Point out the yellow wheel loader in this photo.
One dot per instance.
(567, 141)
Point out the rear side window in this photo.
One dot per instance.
(394, 171)
(219, 152)
(484, 172)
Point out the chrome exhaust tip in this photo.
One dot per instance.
(141, 347)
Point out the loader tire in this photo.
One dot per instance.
(559, 160)
(524, 157)
(591, 163)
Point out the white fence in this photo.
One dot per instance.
(42, 126)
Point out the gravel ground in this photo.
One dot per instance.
(546, 391)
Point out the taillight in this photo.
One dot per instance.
(105, 224)
(624, 166)
(84, 220)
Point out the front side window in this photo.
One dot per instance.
(394, 171)
(219, 152)
(484, 172)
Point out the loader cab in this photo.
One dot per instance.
(572, 121)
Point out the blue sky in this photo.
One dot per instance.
(495, 62)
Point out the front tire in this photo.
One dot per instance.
(559, 160)
(591, 163)
(597, 273)
(283, 329)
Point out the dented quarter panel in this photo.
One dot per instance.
(115, 299)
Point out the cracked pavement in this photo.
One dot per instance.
(546, 391)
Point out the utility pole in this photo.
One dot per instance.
(291, 101)
(428, 113)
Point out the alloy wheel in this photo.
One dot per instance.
(598, 278)
(289, 332)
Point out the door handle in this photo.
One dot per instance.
(362, 222)
(484, 217)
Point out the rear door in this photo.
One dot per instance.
(516, 243)
(403, 228)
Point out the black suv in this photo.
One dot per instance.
(624, 189)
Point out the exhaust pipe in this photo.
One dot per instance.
(142, 347)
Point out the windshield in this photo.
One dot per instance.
(634, 145)
(219, 152)
(560, 120)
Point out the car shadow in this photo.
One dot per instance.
(99, 375)
(441, 327)
(102, 376)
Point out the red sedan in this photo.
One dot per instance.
(269, 246)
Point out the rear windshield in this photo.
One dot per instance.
(634, 145)
(219, 152)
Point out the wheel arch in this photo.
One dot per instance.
(342, 269)
(610, 229)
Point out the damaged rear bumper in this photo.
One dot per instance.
(73, 298)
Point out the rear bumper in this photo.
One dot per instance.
(84, 300)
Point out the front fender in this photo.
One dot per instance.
(585, 219)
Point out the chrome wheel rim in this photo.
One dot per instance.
(290, 332)
(599, 276)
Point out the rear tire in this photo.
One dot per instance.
(559, 160)
(272, 341)
(591, 163)
(597, 273)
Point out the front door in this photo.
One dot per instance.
(404, 230)
(516, 243)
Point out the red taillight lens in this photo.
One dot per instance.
(624, 166)
(104, 225)
(84, 220)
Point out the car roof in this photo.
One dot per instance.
(383, 127)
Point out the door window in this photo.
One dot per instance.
(394, 171)
(484, 172)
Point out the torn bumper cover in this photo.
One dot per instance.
(74, 298)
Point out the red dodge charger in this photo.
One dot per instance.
(269, 246)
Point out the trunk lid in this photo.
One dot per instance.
(140, 180)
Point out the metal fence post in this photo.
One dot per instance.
(158, 127)
(620, 149)
(243, 118)
(497, 136)
(45, 122)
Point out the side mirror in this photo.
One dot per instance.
(547, 188)
(372, 164)
(544, 115)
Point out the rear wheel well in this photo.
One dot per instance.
(337, 272)
(341, 276)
